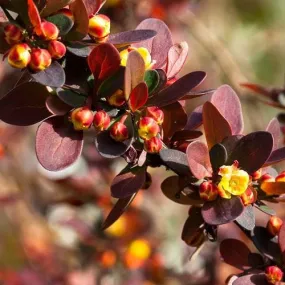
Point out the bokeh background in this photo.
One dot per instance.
(50, 223)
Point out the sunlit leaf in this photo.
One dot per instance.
(151, 79)
(93, 6)
(63, 23)
(34, 16)
(138, 97)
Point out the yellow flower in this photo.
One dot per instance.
(142, 51)
(140, 249)
(234, 181)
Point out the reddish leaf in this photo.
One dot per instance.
(275, 129)
(81, 21)
(56, 106)
(93, 6)
(235, 253)
(199, 160)
(178, 89)
(175, 119)
(252, 279)
(185, 135)
(195, 119)
(34, 16)
(227, 102)
(25, 105)
(171, 188)
(138, 97)
(134, 73)
(176, 58)
(126, 184)
(273, 188)
(53, 6)
(231, 142)
(281, 240)
(247, 218)
(222, 211)
(58, 145)
(160, 44)
(117, 211)
(252, 151)
(276, 156)
(215, 125)
(104, 61)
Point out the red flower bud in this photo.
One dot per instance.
(99, 26)
(248, 197)
(101, 120)
(117, 99)
(56, 49)
(274, 224)
(119, 132)
(256, 175)
(40, 59)
(66, 12)
(273, 274)
(13, 34)
(19, 55)
(81, 118)
(49, 31)
(155, 113)
(280, 177)
(153, 145)
(266, 178)
(148, 128)
(208, 191)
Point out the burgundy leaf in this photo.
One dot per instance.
(176, 58)
(235, 253)
(281, 241)
(231, 142)
(138, 96)
(178, 89)
(227, 102)
(171, 187)
(195, 119)
(126, 184)
(199, 160)
(218, 156)
(276, 156)
(222, 211)
(252, 279)
(216, 126)
(25, 105)
(129, 37)
(134, 73)
(93, 6)
(53, 6)
(104, 61)
(56, 106)
(160, 44)
(117, 211)
(252, 151)
(186, 135)
(275, 129)
(58, 145)
(247, 218)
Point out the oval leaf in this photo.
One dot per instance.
(252, 279)
(195, 119)
(275, 129)
(53, 76)
(63, 23)
(58, 145)
(186, 135)
(25, 105)
(93, 6)
(34, 16)
(199, 160)
(53, 6)
(211, 119)
(138, 96)
(276, 156)
(151, 79)
(222, 211)
(228, 104)
(57, 106)
(218, 156)
(71, 98)
(247, 218)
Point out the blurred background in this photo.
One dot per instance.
(50, 223)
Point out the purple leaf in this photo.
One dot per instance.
(199, 160)
(93, 6)
(228, 104)
(276, 156)
(160, 44)
(25, 105)
(178, 89)
(58, 145)
(56, 106)
(195, 119)
(185, 135)
(247, 218)
(252, 151)
(222, 211)
(275, 129)
(252, 279)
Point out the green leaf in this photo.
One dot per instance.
(63, 23)
(151, 79)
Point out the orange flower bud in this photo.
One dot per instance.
(119, 132)
(148, 128)
(273, 274)
(66, 12)
(101, 120)
(40, 59)
(274, 224)
(81, 118)
(108, 258)
(248, 197)
(117, 99)
(13, 34)
(49, 31)
(19, 55)
(99, 26)
(256, 175)
(155, 113)
(56, 49)
(266, 178)
(280, 177)
(153, 145)
(208, 191)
